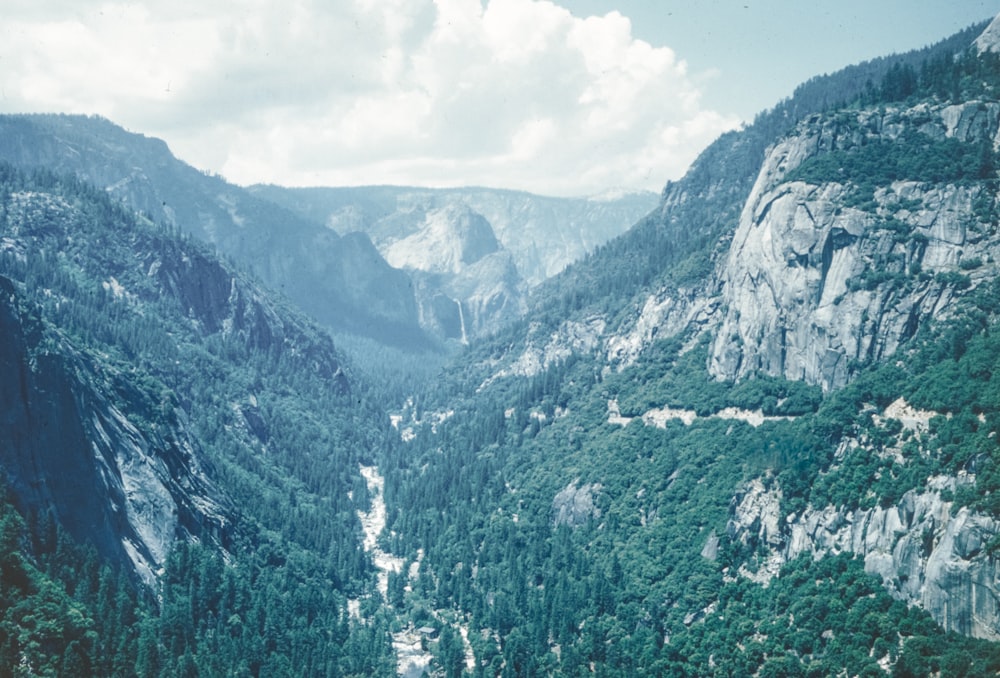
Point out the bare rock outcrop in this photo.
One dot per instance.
(819, 279)
(824, 275)
(574, 505)
(926, 551)
(989, 40)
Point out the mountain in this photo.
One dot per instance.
(543, 234)
(858, 227)
(341, 281)
(466, 285)
(754, 435)
(527, 239)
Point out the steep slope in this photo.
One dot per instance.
(859, 226)
(655, 473)
(467, 286)
(670, 272)
(676, 245)
(163, 411)
(345, 284)
(68, 448)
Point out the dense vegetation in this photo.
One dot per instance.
(912, 157)
(629, 584)
(63, 613)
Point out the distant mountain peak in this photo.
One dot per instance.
(453, 237)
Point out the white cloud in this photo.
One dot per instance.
(512, 93)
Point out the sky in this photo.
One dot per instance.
(560, 97)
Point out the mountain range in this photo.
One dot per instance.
(754, 434)
(331, 269)
(474, 253)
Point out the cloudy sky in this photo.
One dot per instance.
(565, 97)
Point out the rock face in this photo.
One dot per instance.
(544, 350)
(804, 274)
(925, 553)
(814, 281)
(544, 235)
(66, 447)
(466, 284)
(451, 239)
(222, 302)
(989, 41)
(101, 444)
(574, 505)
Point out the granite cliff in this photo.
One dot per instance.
(820, 278)
(812, 254)
(543, 234)
(926, 551)
(467, 285)
(473, 253)
(68, 449)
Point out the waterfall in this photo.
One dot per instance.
(461, 319)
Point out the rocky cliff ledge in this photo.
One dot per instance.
(66, 447)
(835, 267)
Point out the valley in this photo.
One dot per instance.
(747, 427)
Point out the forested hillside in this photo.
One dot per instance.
(592, 492)
(182, 450)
